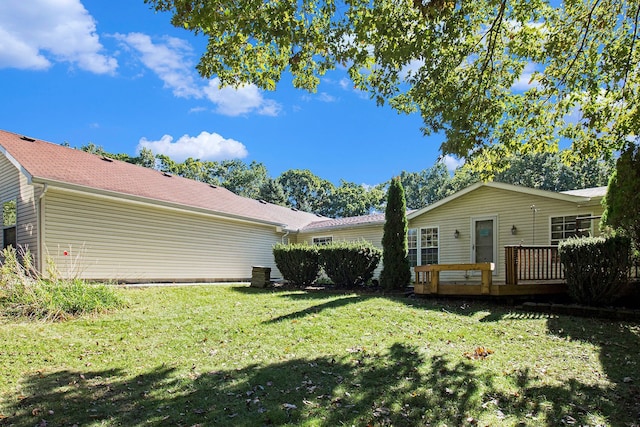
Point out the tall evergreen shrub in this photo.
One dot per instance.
(396, 272)
(622, 203)
(596, 268)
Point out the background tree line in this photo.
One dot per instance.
(301, 189)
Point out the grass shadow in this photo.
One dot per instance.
(396, 387)
(618, 354)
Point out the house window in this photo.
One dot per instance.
(424, 250)
(429, 245)
(324, 240)
(9, 224)
(564, 227)
(412, 245)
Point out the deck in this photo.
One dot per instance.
(530, 271)
(495, 289)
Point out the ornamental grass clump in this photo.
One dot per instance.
(596, 268)
(25, 293)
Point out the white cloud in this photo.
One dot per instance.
(36, 33)
(242, 100)
(170, 60)
(451, 162)
(526, 81)
(325, 97)
(167, 61)
(206, 146)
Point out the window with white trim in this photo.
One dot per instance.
(9, 215)
(429, 246)
(412, 245)
(323, 240)
(564, 227)
(423, 250)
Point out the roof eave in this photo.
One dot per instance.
(17, 164)
(339, 227)
(502, 186)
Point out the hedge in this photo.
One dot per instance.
(297, 263)
(596, 268)
(349, 264)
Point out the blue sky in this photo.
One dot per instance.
(119, 75)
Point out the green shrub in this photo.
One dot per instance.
(297, 263)
(396, 272)
(596, 268)
(349, 264)
(24, 293)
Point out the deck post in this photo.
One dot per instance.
(487, 280)
(435, 280)
(511, 261)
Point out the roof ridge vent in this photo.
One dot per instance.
(213, 186)
(106, 159)
(294, 209)
(262, 201)
(26, 138)
(167, 174)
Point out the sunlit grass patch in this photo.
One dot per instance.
(235, 355)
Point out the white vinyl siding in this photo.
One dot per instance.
(14, 186)
(125, 241)
(510, 209)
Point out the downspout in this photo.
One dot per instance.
(283, 236)
(39, 262)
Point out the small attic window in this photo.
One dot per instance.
(26, 138)
(107, 159)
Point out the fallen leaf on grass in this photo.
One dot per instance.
(478, 353)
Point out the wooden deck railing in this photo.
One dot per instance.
(532, 263)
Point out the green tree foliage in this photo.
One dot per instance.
(305, 191)
(234, 175)
(351, 199)
(496, 76)
(622, 203)
(425, 187)
(396, 272)
(272, 192)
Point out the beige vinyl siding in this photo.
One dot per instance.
(117, 240)
(510, 208)
(14, 185)
(370, 233)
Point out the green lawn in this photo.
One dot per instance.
(234, 355)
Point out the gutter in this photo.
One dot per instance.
(41, 230)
